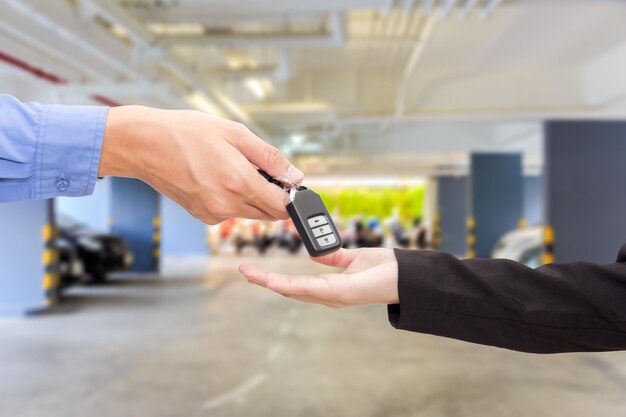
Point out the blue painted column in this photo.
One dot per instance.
(181, 233)
(93, 210)
(533, 200)
(28, 258)
(585, 166)
(135, 216)
(452, 212)
(496, 186)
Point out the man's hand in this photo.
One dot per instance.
(370, 277)
(204, 163)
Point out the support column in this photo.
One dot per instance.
(585, 190)
(182, 234)
(496, 200)
(533, 201)
(136, 218)
(452, 204)
(93, 211)
(28, 278)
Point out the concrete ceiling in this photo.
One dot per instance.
(422, 82)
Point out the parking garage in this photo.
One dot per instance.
(487, 130)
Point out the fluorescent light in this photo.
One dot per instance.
(297, 138)
(256, 88)
(176, 29)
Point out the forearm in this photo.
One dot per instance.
(555, 308)
(48, 151)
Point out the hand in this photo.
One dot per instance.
(204, 163)
(370, 277)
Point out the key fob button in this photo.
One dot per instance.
(322, 230)
(318, 220)
(326, 240)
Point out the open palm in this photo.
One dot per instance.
(370, 276)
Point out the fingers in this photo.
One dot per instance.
(265, 196)
(289, 285)
(340, 259)
(266, 156)
(252, 212)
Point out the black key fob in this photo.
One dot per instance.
(310, 216)
(315, 226)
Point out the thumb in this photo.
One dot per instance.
(267, 157)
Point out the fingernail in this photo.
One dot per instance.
(294, 174)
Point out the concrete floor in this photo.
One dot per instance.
(202, 342)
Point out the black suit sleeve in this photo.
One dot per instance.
(578, 307)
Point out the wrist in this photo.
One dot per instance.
(129, 141)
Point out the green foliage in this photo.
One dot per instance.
(376, 202)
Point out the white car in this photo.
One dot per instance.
(523, 245)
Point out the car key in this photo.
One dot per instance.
(311, 218)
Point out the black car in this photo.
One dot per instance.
(101, 253)
(71, 268)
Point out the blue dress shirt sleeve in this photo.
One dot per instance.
(48, 151)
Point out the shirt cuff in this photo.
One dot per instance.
(68, 150)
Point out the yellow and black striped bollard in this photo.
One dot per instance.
(156, 242)
(548, 245)
(436, 243)
(50, 259)
(471, 238)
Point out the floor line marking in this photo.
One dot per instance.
(237, 394)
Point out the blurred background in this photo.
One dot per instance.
(484, 128)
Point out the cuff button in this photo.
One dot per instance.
(62, 184)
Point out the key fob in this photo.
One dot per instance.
(315, 226)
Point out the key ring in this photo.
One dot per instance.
(287, 181)
(280, 181)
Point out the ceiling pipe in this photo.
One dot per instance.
(190, 10)
(141, 37)
(338, 27)
(407, 7)
(416, 54)
(50, 77)
(117, 88)
(61, 55)
(446, 8)
(45, 14)
(278, 40)
(31, 69)
(427, 6)
(334, 36)
(467, 8)
(387, 10)
(489, 8)
(281, 70)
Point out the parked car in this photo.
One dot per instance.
(523, 245)
(101, 253)
(71, 267)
